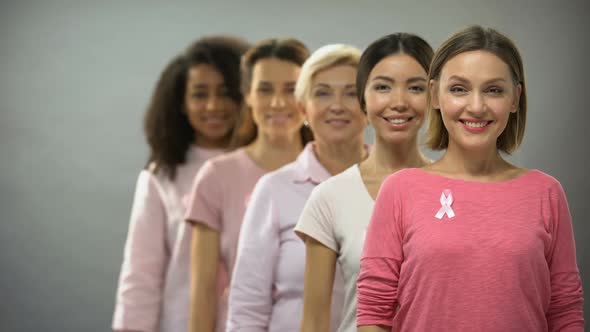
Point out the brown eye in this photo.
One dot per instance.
(457, 89)
(495, 90)
(381, 88)
(417, 89)
(264, 90)
(199, 95)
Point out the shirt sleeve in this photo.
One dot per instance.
(317, 219)
(206, 198)
(565, 311)
(380, 261)
(139, 292)
(250, 299)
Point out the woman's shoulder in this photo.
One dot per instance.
(345, 183)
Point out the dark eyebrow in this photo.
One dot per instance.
(289, 84)
(464, 80)
(416, 79)
(458, 78)
(493, 80)
(385, 78)
(326, 85)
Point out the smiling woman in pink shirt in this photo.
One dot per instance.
(222, 187)
(267, 284)
(471, 242)
(191, 118)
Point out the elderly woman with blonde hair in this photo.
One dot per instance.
(266, 292)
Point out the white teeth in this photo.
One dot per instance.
(397, 121)
(476, 124)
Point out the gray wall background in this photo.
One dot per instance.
(76, 76)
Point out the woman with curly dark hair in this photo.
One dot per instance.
(192, 117)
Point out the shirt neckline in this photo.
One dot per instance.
(520, 177)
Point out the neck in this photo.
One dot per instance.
(387, 158)
(472, 163)
(205, 143)
(337, 157)
(271, 153)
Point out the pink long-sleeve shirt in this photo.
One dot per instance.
(153, 291)
(220, 195)
(501, 257)
(266, 293)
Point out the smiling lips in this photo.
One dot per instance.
(338, 122)
(474, 125)
(214, 120)
(278, 118)
(398, 122)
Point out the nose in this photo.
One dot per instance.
(277, 101)
(398, 100)
(212, 103)
(337, 104)
(476, 103)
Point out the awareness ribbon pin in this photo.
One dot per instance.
(446, 200)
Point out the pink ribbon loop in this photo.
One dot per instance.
(446, 200)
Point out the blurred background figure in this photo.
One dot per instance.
(191, 118)
(223, 186)
(267, 282)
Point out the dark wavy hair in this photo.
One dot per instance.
(395, 43)
(167, 128)
(286, 49)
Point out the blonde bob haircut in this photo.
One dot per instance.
(323, 58)
(475, 38)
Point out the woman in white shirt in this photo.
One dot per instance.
(391, 87)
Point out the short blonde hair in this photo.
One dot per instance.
(475, 38)
(323, 58)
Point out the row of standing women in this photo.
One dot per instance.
(261, 208)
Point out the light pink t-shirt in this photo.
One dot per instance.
(470, 256)
(153, 291)
(267, 283)
(219, 197)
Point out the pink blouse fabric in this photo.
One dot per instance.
(452, 255)
(220, 194)
(153, 291)
(267, 283)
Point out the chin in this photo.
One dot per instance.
(216, 135)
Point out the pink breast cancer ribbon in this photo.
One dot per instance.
(446, 200)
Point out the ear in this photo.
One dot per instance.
(248, 99)
(517, 94)
(301, 109)
(433, 89)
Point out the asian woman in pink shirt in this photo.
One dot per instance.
(191, 118)
(267, 283)
(222, 187)
(471, 242)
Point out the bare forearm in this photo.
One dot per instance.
(317, 321)
(320, 265)
(203, 311)
(205, 257)
(373, 328)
